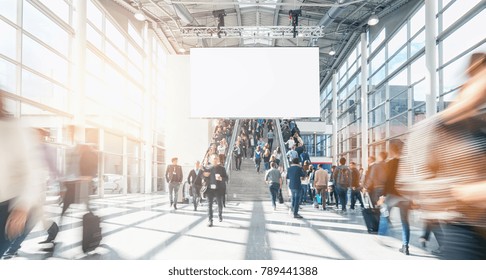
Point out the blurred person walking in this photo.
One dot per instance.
(321, 178)
(195, 181)
(274, 181)
(266, 159)
(377, 178)
(18, 191)
(270, 136)
(216, 178)
(173, 176)
(237, 154)
(355, 186)
(295, 174)
(258, 158)
(278, 155)
(342, 180)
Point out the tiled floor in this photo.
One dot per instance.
(145, 227)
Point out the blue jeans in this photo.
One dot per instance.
(274, 192)
(404, 208)
(4, 213)
(303, 195)
(296, 193)
(383, 226)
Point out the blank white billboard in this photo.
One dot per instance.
(255, 82)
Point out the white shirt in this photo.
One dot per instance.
(19, 166)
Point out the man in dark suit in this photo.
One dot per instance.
(174, 176)
(216, 178)
(195, 181)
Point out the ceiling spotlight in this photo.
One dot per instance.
(332, 51)
(301, 35)
(373, 20)
(182, 50)
(139, 15)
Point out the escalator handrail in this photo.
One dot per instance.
(282, 145)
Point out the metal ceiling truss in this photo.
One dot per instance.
(272, 32)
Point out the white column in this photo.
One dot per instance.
(334, 120)
(430, 57)
(148, 113)
(364, 101)
(79, 70)
(125, 165)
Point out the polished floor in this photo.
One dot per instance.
(145, 227)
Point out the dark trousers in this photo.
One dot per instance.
(238, 163)
(196, 195)
(274, 187)
(257, 164)
(296, 193)
(270, 143)
(375, 194)
(174, 192)
(219, 199)
(244, 151)
(342, 193)
(433, 226)
(356, 195)
(323, 193)
(4, 213)
(463, 242)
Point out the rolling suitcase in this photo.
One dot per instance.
(91, 232)
(371, 217)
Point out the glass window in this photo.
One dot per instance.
(135, 35)
(418, 114)
(94, 37)
(8, 9)
(8, 76)
(94, 64)
(8, 44)
(45, 29)
(378, 61)
(378, 133)
(95, 88)
(43, 91)
(377, 116)
(399, 125)
(419, 92)
(454, 74)
(60, 8)
(378, 77)
(135, 56)
(456, 11)
(115, 55)
(376, 98)
(464, 35)
(397, 60)
(115, 35)
(321, 145)
(418, 69)
(43, 60)
(417, 43)
(94, 15)
(398, 41)
(377, 41)
(417, 21)
(399, 104)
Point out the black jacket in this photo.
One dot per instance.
(220, 185)
(391, 168)
(173, 174)
(355, 177)
(194, 179)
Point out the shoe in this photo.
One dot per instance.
(274, 208)
(175, 207)
(404, 250)
(52, 233)
(324, 208)
(210, 223)
(9, 255)
(298, 216)
(220, 219)
(195, 208)
(423, 241)
(171, 204)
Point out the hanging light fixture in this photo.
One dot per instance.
(373, 20)
(332, 51)
(139, 15)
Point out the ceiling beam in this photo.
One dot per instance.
(275, 19)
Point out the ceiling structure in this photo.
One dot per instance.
(193, 23)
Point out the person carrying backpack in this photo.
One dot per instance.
(343, 180)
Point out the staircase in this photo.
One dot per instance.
(248, 185)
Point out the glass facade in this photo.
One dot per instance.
(397, 69)
(120, 106)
